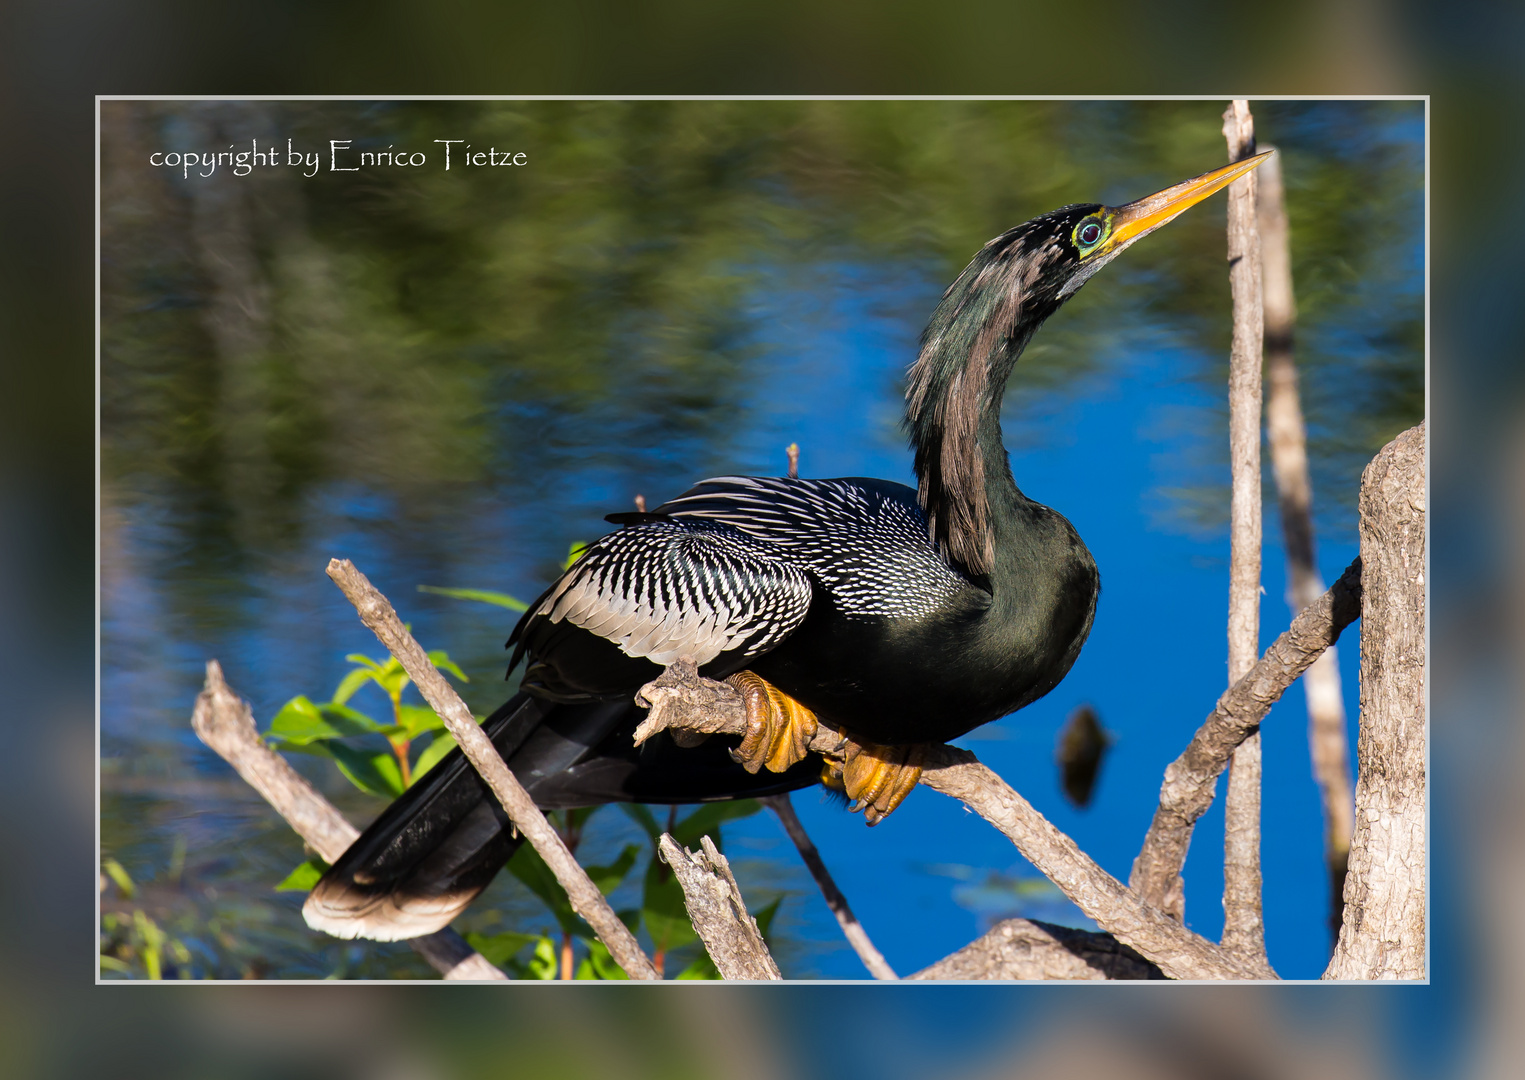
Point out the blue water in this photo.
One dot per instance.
(1115, 419)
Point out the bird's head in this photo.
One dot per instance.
(1035, 267)
(983, 323)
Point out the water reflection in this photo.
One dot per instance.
(450, 376)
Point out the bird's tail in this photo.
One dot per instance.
(445, 838)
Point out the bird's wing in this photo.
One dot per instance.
(662, 589)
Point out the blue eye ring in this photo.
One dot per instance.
(1088, 233)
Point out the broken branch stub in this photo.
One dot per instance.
(715, 907)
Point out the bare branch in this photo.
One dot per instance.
(683, 699)
(1383, 935)
(224, 721)
(586, 899)
(1115, 908)
(852, 929)
(1189, 780)
(1287, 437)
(715, 907)
(1025, 949)
(1243, 926)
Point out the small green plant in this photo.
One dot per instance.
(336, 730)
(133, 938)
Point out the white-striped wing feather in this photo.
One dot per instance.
(665, 589)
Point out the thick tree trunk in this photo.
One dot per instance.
(1383, 935)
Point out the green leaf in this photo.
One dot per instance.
(111, 963)
(486, 596)
(528, 867)
(642, 816)
(443, 743)
(765, 917)
(662, 909)
(304, 877)
(599, 964)
(377, 773)
(301, 722)
(544, 964)
(116, 872)
(441, 659)
(392, 678)
(574, 553)
(706, 820)
(500, 949)
(352, 682)
(702, 968)
(417, 719)
(608, 878)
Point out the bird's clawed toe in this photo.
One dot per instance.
(779, 729)
(876, 778)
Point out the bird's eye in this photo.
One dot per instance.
(1089, 233)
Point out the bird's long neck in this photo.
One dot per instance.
(953, 405)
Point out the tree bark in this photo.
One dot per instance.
(1025, 950)
(1243, 926)
(1383, 935)
(715, 907)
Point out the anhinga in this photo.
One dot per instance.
(899, 617)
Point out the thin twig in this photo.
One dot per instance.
(852, 929)
(586, 899)
(1287, 438)
(683, 699)
(1189, 780)
(225, 722)
(1384, 932)
(1243, 925)
(715, 907)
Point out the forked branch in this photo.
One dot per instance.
(1189, 780)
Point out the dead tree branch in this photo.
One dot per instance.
(1286, 435)
(1383, 934)
(1187, 791)
(715, 907)
(586, 899)
(1022, 949)
(852, 929)
(683, 699)
(225, 722)
(1243, 925)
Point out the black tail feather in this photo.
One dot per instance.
(444, 839)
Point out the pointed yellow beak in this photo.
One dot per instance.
(1138, 219)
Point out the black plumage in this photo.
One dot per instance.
(899, 616)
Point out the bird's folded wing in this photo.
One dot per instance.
(665, 589)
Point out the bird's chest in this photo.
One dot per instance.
(932, 677)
